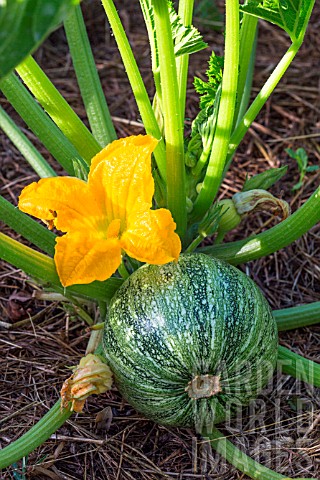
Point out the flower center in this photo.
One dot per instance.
(113, 229)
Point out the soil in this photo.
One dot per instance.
(40, 339)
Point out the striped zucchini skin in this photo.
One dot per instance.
(172, 322)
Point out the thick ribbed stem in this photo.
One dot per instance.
(290, 363)
(34, 437)
(137, 85)
(225, 118)
(239, 459)
(173, 125)
(58, 108)
(296, 317)
(43, 268)
(277, 237)
(88, 79)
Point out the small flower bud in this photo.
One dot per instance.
(230, 218)
(210, 222)
(189, 205)
(198, 187)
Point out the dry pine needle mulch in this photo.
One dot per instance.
(40, 339)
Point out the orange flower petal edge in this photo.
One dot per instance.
(106, 215)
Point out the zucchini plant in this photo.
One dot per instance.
(182, 329)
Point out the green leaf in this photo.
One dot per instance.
(301, 157)
(204, 125)
(187, 39)
(208, 90)
(24, 24)
(312, 168)
(291, 15)
(264, 180)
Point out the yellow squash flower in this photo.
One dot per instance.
(109, 213)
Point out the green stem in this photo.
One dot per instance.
(193, 245)
(239, 459)
(273, 239)
(58, 109)
(34, 437)
(123, 271)
(27, 227)
(219, 238)
(263, 96)
(185, 13)
(94, 341)
(137, 85)
(291, 363)
(243, 106)
(103, 310)
(88, 78)
(173, 125)
(25, 147)
(247, 42)
(296, 317)
(220, 145)
(37, 120)
(43, 269)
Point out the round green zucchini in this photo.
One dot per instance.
(190, 342)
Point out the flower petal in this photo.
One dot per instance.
(65, 202)
(150, 237)
(120, 176)
(81, 257)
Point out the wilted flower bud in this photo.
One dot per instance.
(251, 201)
(91, 376)
(260, 201)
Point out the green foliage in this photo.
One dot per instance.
(204, 125)
(187, 40)
(301, 157)
(291, 15)
(24, 24)
(208, 90)
(265, 179)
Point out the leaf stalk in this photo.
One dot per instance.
(225, 118)
(173, 125)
